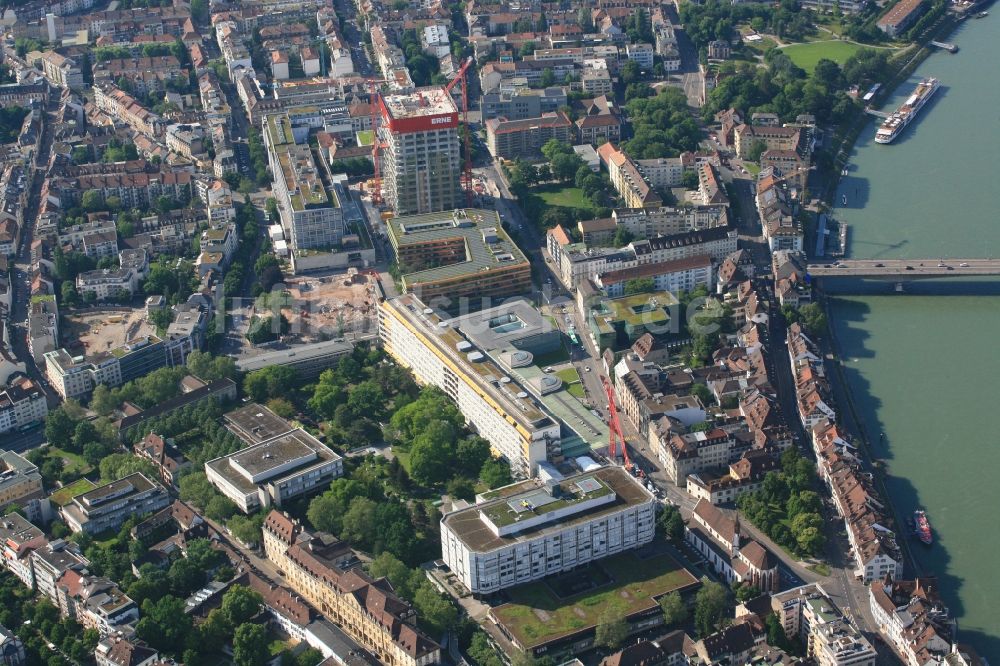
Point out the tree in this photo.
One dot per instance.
(250, 645)
(389, 566)
(565, 166)
(630, 72)
(548, 77)
(756, 149)
(359, 524)
(461, 488)
(703, 393)
(612, 630)
(246, 529)
(326, 511)
(471, 454)
(241, 604)
(671, 523)
(185, 577)
(745, 592)
(211, 368)
(59, 428)
(430, 455)
(813, 318)
(272, 382)
(68, 293)
(710, 605)
(119, 465)
(639, 286)
(689, 179)
(495, 473)
(309, 657)
(164, 624)
(92, 201)
(675, 611)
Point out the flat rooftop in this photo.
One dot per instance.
(133, 484)
(270, 461)
(518, 403)
(256, 423)
(263, 458)
(421, 102)
(487, 245)
(527, 499)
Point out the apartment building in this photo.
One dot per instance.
(457, 254)
(673, 276)
(146, 75)
(108, 506)
(275, 471)
(813, 395)
(60, 71)
(164, 456)
(95, 602)
(913, 618)
(668, 220)
(746, 475)
(123, 107)
(576, 263)
(50, 561)
(516, 425)
(900, 17)
(43, 327)
(22, 404)
(627, 179)
(18, 538)
(421, 161)
(367, 610)
(773, 138)
(691, 453)
(533, 529)
(710, 189)
(310, 210)
(807, 614)
(512, 139)
(135, 190)
(520, 103)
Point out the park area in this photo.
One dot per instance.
(808, 54)
(626, 585)
(565, 196)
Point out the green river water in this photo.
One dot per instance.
(922, 366)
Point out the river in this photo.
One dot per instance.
(922, 368)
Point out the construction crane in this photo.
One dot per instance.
(374, 95)
(373, 99)
(466, 178)
(615, 431)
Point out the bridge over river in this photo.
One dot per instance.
(897, 270)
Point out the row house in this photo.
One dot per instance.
(120, 105)
(781, 230)
(138, 190)
(866, 517)
(914, 620)
(812, 389)
(146, 75)
(627, 179)
(367, 610)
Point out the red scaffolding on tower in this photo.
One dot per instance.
(465, 179)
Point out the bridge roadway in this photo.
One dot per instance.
(905, 269)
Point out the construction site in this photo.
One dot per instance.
(321, 307)
(96, 331)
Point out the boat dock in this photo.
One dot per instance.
(878, 114)
(950, 48)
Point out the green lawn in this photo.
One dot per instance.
(568, 375)
(565, 196)
(62, 496)
(576, 390)
(753, 168)
(807, 55)
(74, 462)
(536, 615)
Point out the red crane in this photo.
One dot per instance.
(466, 178)
(376, 114)
(615, 428)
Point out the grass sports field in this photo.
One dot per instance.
(807, 55)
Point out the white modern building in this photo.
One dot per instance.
(279, 469)
(516, 425)
(107, 507)
(532, 529)
(22, 403)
